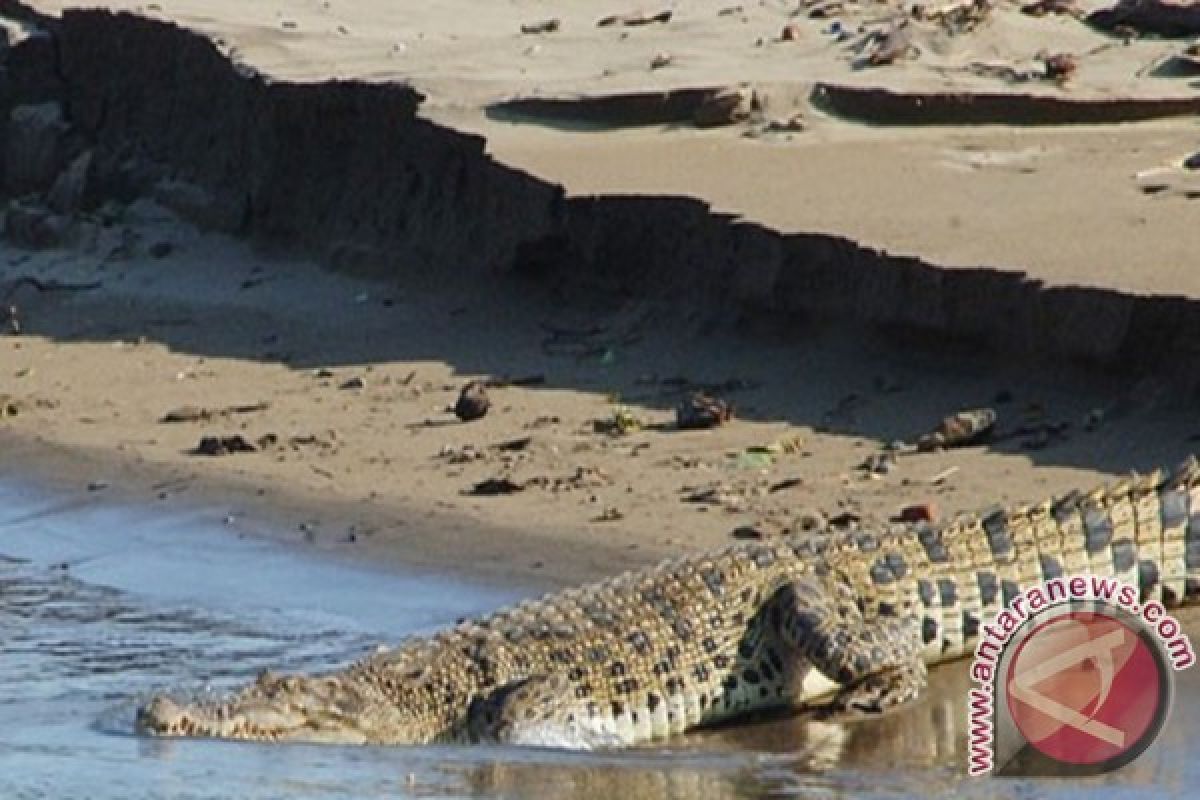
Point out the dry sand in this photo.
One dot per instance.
(463, 53)
(383, 469)
(1062, 203)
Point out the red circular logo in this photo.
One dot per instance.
(1085, 688)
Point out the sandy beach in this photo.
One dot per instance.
(343, 388)
(339, 382)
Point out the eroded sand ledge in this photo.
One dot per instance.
(350, 173)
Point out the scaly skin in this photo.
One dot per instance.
(855, 616)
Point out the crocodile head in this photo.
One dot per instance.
(332, 709)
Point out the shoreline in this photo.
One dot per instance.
(245, 508)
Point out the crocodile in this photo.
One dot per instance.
(843, 622)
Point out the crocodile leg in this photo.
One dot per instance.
(503, 714)
(543, 711)
(879, 692)
(875, 662)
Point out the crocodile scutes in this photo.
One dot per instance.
(848, 619)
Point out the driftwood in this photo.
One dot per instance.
(634, 19)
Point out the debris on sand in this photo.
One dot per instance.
(610, 514)
(752, 458)
(960, 430)
(785, 445)
(792, 124)
(10, 406)
(461, 455)
(699, 411)
(496, 486)
(730, 498)
(223, 446)
(762, 456)
(634, 19)
(749, 532)
(473, 402)
(880, 463)
(581, 478)
(957, 16)
(884, 47)
(825, 9)
(845, 519)
(201, 414)
(517, 445)
(734, 496)
(1059, 67)
(621, 422)
(545, 26)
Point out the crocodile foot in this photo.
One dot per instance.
(877, 693)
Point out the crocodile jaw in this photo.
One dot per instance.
(277, 709)
(264, 721)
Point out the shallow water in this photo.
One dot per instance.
(101, 604)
